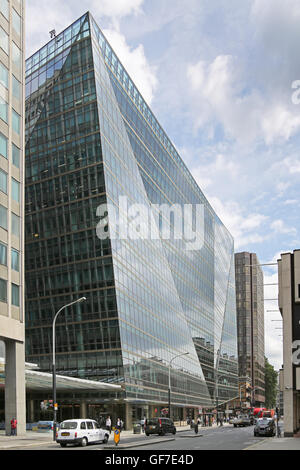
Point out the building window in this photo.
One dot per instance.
(16, 156)
(3, 76)
(3, 254)
(3, 109)
(3, 181)
(16, 88)
(16, 57)
(3, 290)
(15, 225)
(4, 43)
(4, 8)
(3, 145)
(3, 217)
(16, 122)
(15, 260)
(15, 295)
(15, 190)
(16, 22)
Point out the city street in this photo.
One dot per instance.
(223, 438)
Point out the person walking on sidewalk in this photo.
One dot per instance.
(108, 424)
(119, 424)
(13, 427)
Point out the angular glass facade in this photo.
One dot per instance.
(91, 140)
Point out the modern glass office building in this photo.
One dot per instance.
(92, 140)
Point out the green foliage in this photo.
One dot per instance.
(270, 384)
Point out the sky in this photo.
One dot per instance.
(221, 78)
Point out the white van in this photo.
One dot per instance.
(80, 431)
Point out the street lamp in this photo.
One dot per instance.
(217, 392)
(82, 299)
(169, 390)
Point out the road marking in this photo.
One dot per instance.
(256, 444)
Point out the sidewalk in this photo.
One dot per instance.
(275, 443)
(29, 439)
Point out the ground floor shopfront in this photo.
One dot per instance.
(75, 406)
(130, 413)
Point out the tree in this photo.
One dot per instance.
(270, 385)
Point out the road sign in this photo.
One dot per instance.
(117, 436)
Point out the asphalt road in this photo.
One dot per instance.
(223, 438)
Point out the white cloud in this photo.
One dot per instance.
(278, 122)
(242, 227)
(282, 187)
(223, 94)
(135, 62)
(279, 226)
(221, 166)
(291, 202)
(116, 8)
(292, 164)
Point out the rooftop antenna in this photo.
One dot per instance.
(52, 33)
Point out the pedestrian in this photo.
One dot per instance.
(144, 424)
(119, 424)
(197, 424)
(108, 424)
(13, 427)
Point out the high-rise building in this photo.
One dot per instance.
(12, 331)
(250, 322)
(94, 149)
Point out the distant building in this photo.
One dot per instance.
(250, 323)
(243, 401)
(289, 305)
(12, 332)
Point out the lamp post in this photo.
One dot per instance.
(217, 392)
(169, 390)
(82, 299)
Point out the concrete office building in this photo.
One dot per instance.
(250, 323)
(12, 331)
(91, 140)
(289, 305)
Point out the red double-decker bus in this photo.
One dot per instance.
(263, 413)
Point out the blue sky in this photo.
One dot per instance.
(218, 75)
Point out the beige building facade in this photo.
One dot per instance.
(289, 305)
(12, 317)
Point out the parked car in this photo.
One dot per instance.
(46, 426)
(241, 420)
(160, 426)
(81, 432)
(265, 427)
